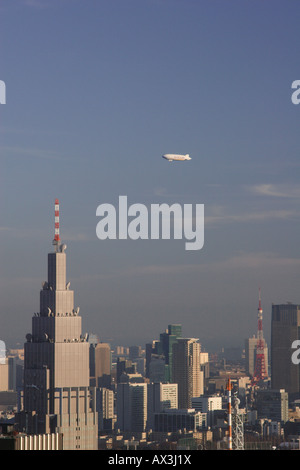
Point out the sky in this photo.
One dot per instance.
(96, 92)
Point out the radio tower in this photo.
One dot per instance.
(229, 416)
(260, 366)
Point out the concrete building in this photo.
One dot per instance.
(187, 371)
(105, 409)
(175, 420)
(4, 377)
(273, 405)
(132, 407)
(207, 404)
(56, 396)
(161, 397)
(103, 365)
(159, 351)
(285, 329)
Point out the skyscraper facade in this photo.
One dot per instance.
(187, 370)
(57, 396)
(285, 329)
(161, 353)
(103, 365)
(132, 407)
(161, 396)
(272, 404)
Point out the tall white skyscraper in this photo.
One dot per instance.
(187, 370)
(56, 396)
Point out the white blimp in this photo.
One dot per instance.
(176, 158)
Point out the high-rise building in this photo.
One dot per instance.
(124, 366)
(285, 329)
(105, 409)
(103, 365)
(175, 420)
(93, 341)
(163, 349)
(208, 404)
(160, 397)
(56, 396)
(187, 371)
(272, 404)
(132, 407)
(158, 371)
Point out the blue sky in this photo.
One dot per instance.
(97, 91)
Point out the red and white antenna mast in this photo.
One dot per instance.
(260, 365)
(229, 388)
(56, 239)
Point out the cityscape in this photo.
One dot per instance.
(66, 390)
(150, 267)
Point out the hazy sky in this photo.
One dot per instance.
(96, 92)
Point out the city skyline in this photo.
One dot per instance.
(96, 93)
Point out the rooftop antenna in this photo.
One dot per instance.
(56, 240)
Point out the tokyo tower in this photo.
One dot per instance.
(260, 366)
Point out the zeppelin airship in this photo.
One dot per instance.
(176, 158)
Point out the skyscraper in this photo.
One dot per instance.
(187, 370)
(57, 396)
(163, 349)
(132, 407)
(160, 397)
(103, 365)
(285, 329)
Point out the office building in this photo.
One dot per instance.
(125, 366)
(175, 420)
(285, 328)
(163, 349)
(207, 404)
(132, 407)
(273, 405)
(187, 371)
(158, 370)
(103, 365)
(56, 396)
(105, 409)
(161, 396)
(93, 341)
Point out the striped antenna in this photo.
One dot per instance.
(229, 388)
(56, 230)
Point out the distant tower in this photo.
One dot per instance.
(260, 366)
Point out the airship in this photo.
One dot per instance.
(176, 158)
